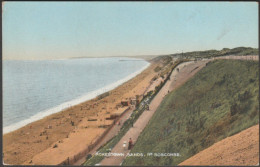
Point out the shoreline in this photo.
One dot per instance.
(27, 142)
(66, 105)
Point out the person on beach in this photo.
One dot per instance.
(130, 144)
(72, 123)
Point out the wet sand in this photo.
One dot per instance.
(70, 129)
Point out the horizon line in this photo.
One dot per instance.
(140, 56)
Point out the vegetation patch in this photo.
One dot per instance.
(157, 69)
(219, 101)
(239, 51)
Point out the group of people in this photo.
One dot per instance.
(147, 106)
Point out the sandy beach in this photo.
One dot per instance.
(52, 139)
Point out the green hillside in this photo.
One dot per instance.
(224, 52)
(219, 101)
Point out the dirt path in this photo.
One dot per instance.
(186, 70)
(241, 149)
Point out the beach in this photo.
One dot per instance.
(51, 140)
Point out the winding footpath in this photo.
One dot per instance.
(186, 70)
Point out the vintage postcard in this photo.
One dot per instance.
(130, 83)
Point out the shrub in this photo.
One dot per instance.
(234, 109)
(157, 69)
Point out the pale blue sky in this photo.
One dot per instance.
(45, 30)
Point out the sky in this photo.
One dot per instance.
(57, 30)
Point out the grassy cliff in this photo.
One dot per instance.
(224, 52)
(219, 101)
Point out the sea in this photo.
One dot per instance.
(33, 89)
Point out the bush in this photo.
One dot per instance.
(234, 109)
(245, 96)
(157, 69)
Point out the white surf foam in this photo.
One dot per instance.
(68, 104)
